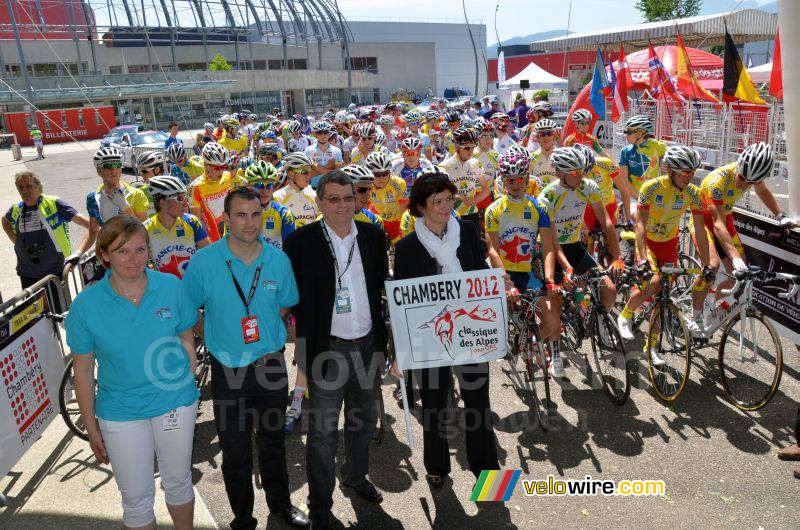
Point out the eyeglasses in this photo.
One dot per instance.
(112, 165)
(582, 122)
(686, 173)
(347, 199)
(631, 131)
(514, 180)
(544, 134)
(362, 191)
(218, 168)
(262, 185)
(410, 152)
(177, 198)
(380, 174)
(305, 171)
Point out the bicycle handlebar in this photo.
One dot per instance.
(753, 273)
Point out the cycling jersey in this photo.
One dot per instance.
(666, 204)
(466, 176)
(321, 157)
(501, 145)
(604, 173)
(390, 142)
(517, 223)
(238, 144)
(103, 207)
(489, 161)
(277, 222)
(302, 203)
(566, 206)
(348, 145)
(171, 248)
(337, 141)
(643, 161)
(719, 187)
(541, 168)
(409, 175)
(209, 197)
(299, 144)
(389, 202)
(586, 139)
(145, 188)
(369, 217)
(357, 157)
(408, 222)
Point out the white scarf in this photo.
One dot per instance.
(442, 250)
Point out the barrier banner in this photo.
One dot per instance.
(31, 364)
(449, 319)
(778, 250)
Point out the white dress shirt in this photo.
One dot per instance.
(358, 322)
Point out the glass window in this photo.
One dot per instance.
(275, 64)
(81, 119)
(364, 64)
(97, 120)
(259, 65)
(115, 70)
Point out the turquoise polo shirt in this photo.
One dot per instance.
(208, 282)
(142, 368)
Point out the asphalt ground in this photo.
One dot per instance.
(718, 464)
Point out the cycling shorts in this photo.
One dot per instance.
(662, 252)
(578, 257)
(590, 219)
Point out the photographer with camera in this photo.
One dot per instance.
(38, 226)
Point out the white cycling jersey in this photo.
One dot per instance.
(302, 203)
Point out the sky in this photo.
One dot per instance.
(515, 17)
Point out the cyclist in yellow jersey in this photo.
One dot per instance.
(175, 235)
(277, 221)
(468, 176)
(363, 182)
(486, 154)
(367, 132)
(207, 196)
(640, 160)
(662, 203)
(389, 194)
(534, 184)
(232, 139)
(545, 131)
(297, 195)
(606, 175)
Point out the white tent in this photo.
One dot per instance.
(537, 76)
(760, 74)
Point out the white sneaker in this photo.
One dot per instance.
(656, 360)
(695, 328)
(625, 326)
(557, 367)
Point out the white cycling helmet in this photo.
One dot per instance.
(380, 137)
(176, 152)
(542, 106)
(296, 160)
(516, 149)
(386, 120)
(411, 143)
(588, 155)
(755, 162)
(166, 186)
(640, 122)
(359, 174)
(340, 117)
(567, 159)
(295, 126)
(107, 155)
(681, 158)
(581, 114)
(149, 160)
(378, 161)
(545, 124)
(321, 127)
(215, 154)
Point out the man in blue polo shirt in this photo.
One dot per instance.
(247, 286)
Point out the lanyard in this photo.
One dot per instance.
(335, 258)
(239, 287)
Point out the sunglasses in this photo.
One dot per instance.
(112, 165)
(409, 152)
(178, 198)
(262, 185)
(218, 168)
(631, 131)
(362, 191)
(413, 123)
(336, 200)
(582, 122)
(305, 171)
(380, 174)
(686, 173)
(544, 134)
(575, 173)
(515, 180)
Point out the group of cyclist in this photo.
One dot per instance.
(533, 195)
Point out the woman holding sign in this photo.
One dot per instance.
(442, 244)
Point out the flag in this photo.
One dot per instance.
(600, 87)
(622, 82)
(688, 85)
(501, 67)
(776, 77)
(736, 84)
(660, 82)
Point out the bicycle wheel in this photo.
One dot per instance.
(69, 405)
(610, 359)
(539, 376)
(517, 367)
(750, 361)
(669, 351)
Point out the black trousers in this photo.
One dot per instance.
(246, 399)
(481, 443)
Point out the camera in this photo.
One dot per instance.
(34, 251)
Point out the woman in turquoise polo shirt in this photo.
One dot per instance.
(137, 325)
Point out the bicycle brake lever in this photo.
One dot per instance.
(791, 294)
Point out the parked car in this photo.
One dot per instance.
(130, 145)
(115, 134)
(453, 93)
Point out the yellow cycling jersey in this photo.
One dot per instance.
(208, 197)
(517, 223)
(366, 216)
(237, 144)
(541, 168)
(719, 187)
(666, 205)
(566, 207)
(604, 173)
(277, 222)
(467, 176)
(408, 222)
(172, 248)
(389, 202)
(302, 203)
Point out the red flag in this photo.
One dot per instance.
(624, 82)
(687, 82)
(776, 77)
(660, 82)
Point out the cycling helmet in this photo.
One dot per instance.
(567, 159)
(467, 122)
(295, 127)
(261, 170)
(545, 124)
(588, 156)
(378, 161)
(231, 122)
(269, 135)
(208, 126)
(340, 117)
(304, 122)
(640, 122)
(367, 130)
(484, 127)
(166, 186)
(531, 114)
(386, 120)
(433, 171)
(150, 160)
(253, 117)
(351, 118)
(542, 106)
(269, 150)
(296, 160)
(351, 107)
(366, 114)
(327, 116)
(681, 158)
(359, 174)
(176, 152)
(516, 149)
(215, 154)
(452, 116)
(513, 166)
(405, 133)
(431, 115)
(755, 162)
(413, 116)
(321, 127)
(245, 162)
(107, 155)
(380, 137)
(412, 143)
(581, 114)
(464, 135)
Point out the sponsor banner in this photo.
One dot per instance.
(31, 364)
(449, 319)
(776, 250)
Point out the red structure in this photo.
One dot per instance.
(82, 123)
(557, 63)
(55, 22)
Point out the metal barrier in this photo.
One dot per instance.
(138, 151)
(79, 275)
